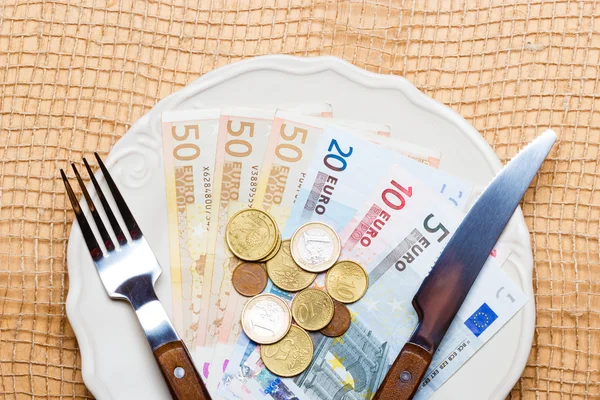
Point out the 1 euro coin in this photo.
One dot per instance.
(315, 247)
(266, 319)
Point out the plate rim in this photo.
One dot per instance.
(306, 66)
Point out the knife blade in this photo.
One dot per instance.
(443, 291)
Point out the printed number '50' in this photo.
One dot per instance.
(337, 162)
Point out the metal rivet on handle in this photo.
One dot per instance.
(405, 376)
(179, 372)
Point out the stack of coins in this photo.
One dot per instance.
(292, 265)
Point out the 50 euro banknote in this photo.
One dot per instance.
(189, 143)
(396, 235)
(242, 138)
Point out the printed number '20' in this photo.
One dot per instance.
(337, 162)
(394, 197)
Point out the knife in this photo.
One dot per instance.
(443, 291)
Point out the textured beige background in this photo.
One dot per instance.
(75, 75)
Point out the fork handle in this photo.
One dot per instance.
(178, 370)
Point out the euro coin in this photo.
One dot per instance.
(251, 234)
(249, 279)
(339, 323)
(312, 309)
(315, 247)
(275, 250)
(347, 281)
(285, 273)
(266, 318)
(291, 355)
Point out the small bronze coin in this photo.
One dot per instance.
(340, 322)
(249, 279)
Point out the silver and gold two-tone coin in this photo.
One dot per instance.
(266, 318)
(315, 247)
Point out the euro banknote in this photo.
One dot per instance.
(340, 177)
(243, 137)
(396, 235)
(189, 143)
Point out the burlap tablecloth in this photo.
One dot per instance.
(75, 75)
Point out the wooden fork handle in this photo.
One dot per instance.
(178, 370)
(404, 378)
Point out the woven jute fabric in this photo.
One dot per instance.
(74, 76)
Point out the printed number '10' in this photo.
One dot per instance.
(337, 162)
(393, 197)
(186, 151)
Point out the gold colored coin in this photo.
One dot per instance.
(312, 309)
(251, 234)
(285, 273)
(291, 355)
(275, 250)
(347, 281)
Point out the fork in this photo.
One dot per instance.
(129, 272)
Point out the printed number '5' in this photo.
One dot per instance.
(332, 158)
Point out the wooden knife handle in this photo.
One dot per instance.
(403, 379)
(178, 369)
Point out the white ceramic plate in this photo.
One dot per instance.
(117, 362)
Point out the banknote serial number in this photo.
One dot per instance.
(207, 179)
(253, 183)
(445, 363)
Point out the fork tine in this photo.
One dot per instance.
(111, 216)
(88, 234)
(132, 226)
(99, 224)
